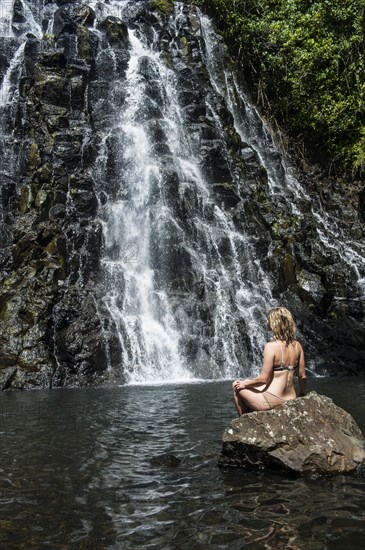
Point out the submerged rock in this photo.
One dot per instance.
(169, 460)
(309, 436)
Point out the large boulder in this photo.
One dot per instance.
(307, 436)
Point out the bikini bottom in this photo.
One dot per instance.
(271, 405)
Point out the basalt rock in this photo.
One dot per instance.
(116, 31)
(64, 165)
(50, 234)
(309, 436)
(69, 17)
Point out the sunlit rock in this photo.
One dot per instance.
(310, 436)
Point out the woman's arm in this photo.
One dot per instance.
(301, 373)
(266, 373)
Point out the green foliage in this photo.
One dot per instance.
(164, 6)
(306, 61)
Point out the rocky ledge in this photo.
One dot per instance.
(309, 436)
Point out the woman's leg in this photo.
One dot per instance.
(254, 400)
(239, 403)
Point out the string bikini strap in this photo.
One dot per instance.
(282, 355)
(297, 352)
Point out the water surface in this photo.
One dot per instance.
(78, 471)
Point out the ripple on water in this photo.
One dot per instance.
(88, 482)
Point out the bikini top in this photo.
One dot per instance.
(282, 366)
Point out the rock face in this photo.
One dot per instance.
(309, 436)
(227, 238)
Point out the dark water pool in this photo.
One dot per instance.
(76, 472)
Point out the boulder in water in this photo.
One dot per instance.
(310, 436)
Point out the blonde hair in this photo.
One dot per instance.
(281, 324)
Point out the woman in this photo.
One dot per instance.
(282, 357)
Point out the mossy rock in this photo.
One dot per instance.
(185, 48)
(25, 198)
(44, 173)
(34, 157)
(54, 59)
(83, 43)
(116, 32)
(288, 268)
(164, 6)
(41, 197)
(50, 87)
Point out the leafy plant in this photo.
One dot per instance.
(305, 60)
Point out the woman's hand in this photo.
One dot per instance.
(239, 385)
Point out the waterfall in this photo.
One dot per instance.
(145, 190)
(6, 16)
(9, 96)
(144, 236)
(10, 84)
(283, 184)
(141, 311)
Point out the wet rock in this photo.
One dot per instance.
(63, 2)
(226, 193)
(310, 436)
(7, 377)
(80, 350)
(362, 205)
(69, 16)
(116, 31)
(19, 18)
(57, 211)
(51, 87)
(310, 287)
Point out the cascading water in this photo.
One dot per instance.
(147, 329)
(282, 182)
(12, 43)
(140, 222)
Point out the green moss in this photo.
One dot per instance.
(164, 6)
(185, 47)
(49, 38)
(34, 157)
(41, 197)
(51, 248)
(9, 281)
(262, 197)
(283, 228)
(25, 198)
(275, 227)
(83, 42)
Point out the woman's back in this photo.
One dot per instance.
(283, 358)
(286, 355)
(285, 364)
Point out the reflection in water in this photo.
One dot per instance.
(85, 456)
